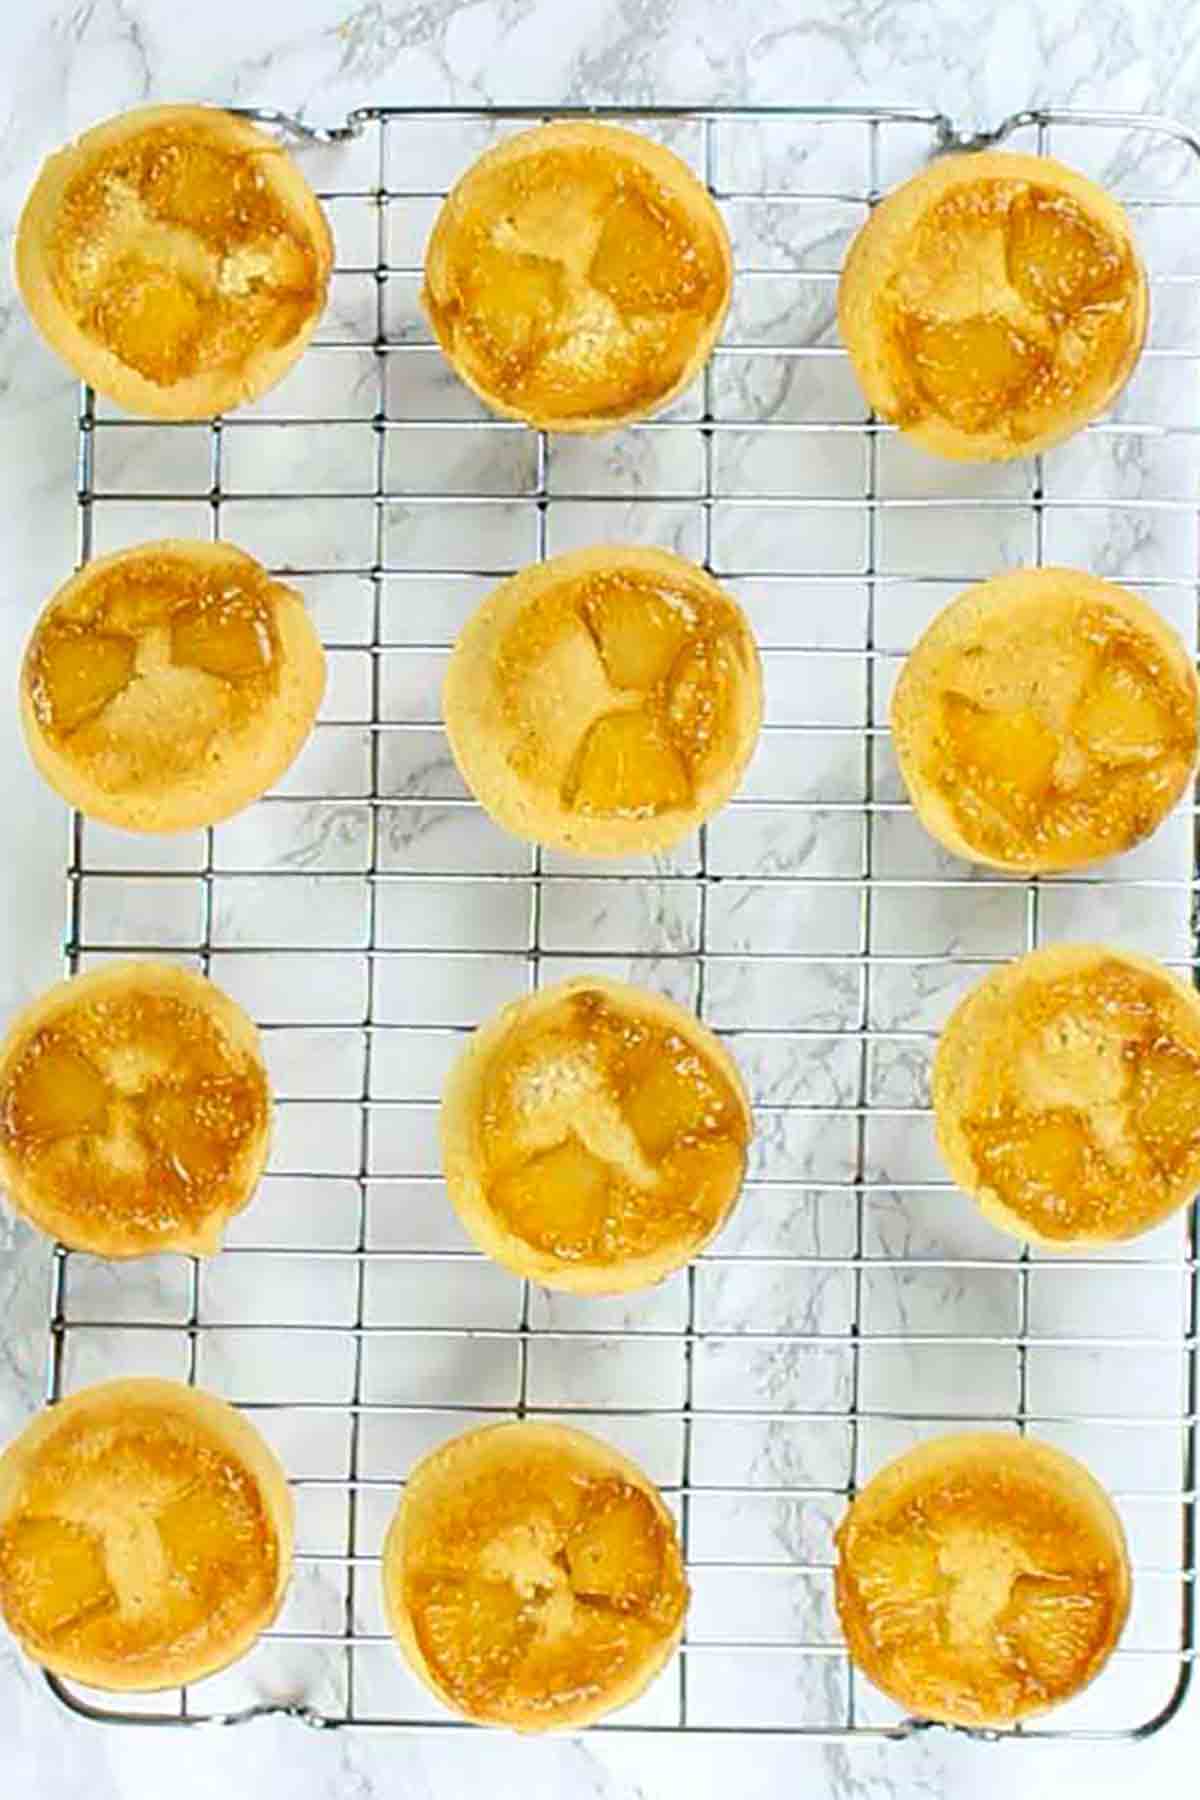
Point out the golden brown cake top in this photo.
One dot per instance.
(1067, 1089)
(577, 276)
(993, 303)
(605, 701)
(169, 683)
(981, 1579)
(138, 1547)
(600, 1132)
(1045, 720)
(539, 1573)
(182, 248)
(134, 1110)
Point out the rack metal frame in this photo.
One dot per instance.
(847, 1716)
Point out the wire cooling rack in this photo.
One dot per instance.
(368, 914)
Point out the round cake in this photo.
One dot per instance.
(594, 1136)
(532, 1577)
(981, 1579)
(145, 1536)
(605, 702)
(578, 276)
(1045, 720)
(993, 304)
(1066, 1095)
(176, 258)
(135, 1115)
(168, 685)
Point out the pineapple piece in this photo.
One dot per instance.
(1166, 1102)
(198, 1527)
(55, 1573)
(78, 674)
(971, 371)
(192, 185)
(1119, 717)
(672, 1095)
(700, 700)
(152, 318)
(473, 1632)
(1056, 258)
(645, 260)
(230, 639)
(615, 1551)
(558, 1201)
(515, 301)
(207, 1526)
(195, 1140)
(637, 633)
(705, 1177)
(1041, 1167)
(1054, 1625)
(625, 766)
(55, 1093)
(1013, 751)
(900, 1584)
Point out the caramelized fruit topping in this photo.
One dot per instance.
(131, 1539)
(971, 371)
(978, 1593)
(1007, 752)
(1122, 713)
(139, 670)
(1060, 736)
(81, 671)
(540, 1585)
(571, 284)
(130, 1117)
(650, 676)
(627, 767)
(180, 257)
(606, 1136)
(223, 636)
(1086, 1118)
(1011, 301)
(1057, 258)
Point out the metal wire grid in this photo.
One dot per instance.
(319, 1669)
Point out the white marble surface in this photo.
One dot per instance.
(64, 67)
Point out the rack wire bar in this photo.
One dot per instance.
(368, 915)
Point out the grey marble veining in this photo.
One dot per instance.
(790, 884)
